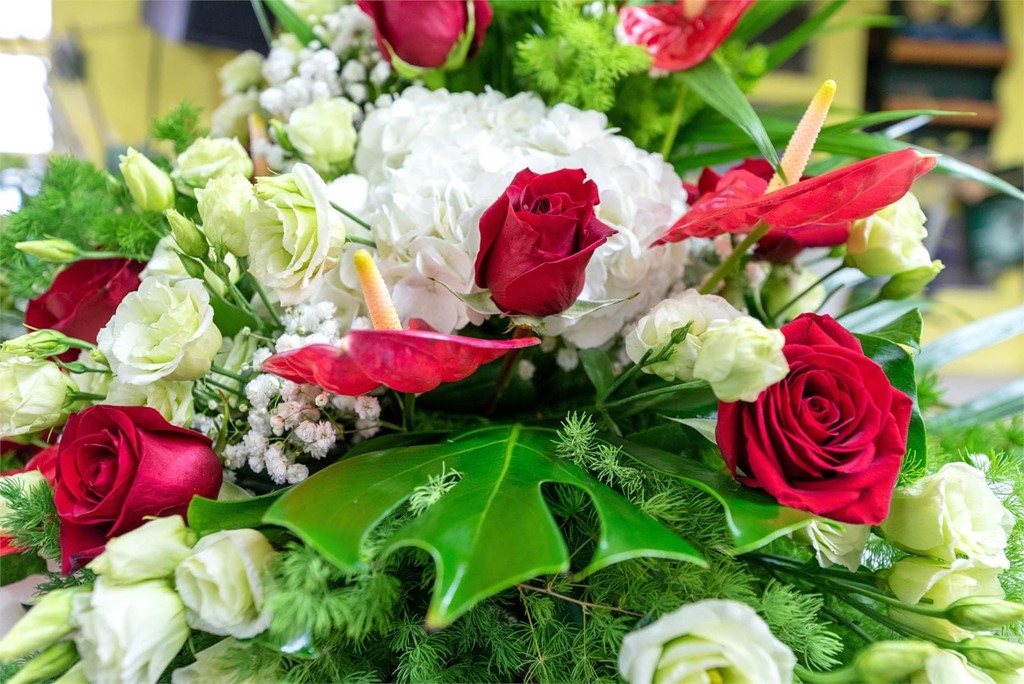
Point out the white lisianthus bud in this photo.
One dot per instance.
(210, 666)
(915, 580)
(835, 543)
(33, 395)
(740, 358)
(222, 586)
(146, 553)
(890, 241)
(910, 283)
(149, 185)
(951, 513)
(46, 622)
(46, 665)
(700, 641)
(243, 72)
(294, 235)
(891, 661)
(208, 158)
(786, 282)
(53, 250)
(172, 398)
(163, 330)
(654, 331)
(224, 205)
(188, 238)
(128, 633)
(992, 653)
(981, 613)
(23, 481)
(40, 344)
(166, 263)
(323, 134)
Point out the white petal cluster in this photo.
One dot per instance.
(436, 160)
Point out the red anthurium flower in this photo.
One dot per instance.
(679, 35)
(405, 360)
(833, 198)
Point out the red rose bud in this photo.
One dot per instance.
(116, 465)
(425, 33)
(536, 241)
(82, 298)
(830, 437)
(680, 35)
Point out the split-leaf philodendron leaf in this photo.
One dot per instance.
(490, 531)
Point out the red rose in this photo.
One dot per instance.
(83, 297)
(423, 33)
(830, 437)
(119, 464)
(536, 241)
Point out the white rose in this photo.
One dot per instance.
(706, 641)
(294, 235)
(128, 633)
(654, 331)
(33, 394)
(913, 580)
(148, 552)
(243, 72)
(835, 543)
(323, 134)
(222, 586)
(163, 330)
(24, 481)
(890, 241)
(951, 513)
(224, 206)
(208, 158)
(740, 358)
(149, 185)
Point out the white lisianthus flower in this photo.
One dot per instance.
(294, 234)
(24, 481)
(213, 665)
(949, 514)
(91, 383)
(949, 667)
(172, 398)
(128, 633)
(706, 641)
(914, 579)
(222, 586)
(654, 331)
(163, 330)
(835, 543)
(208, 158)
(323, 134)
(149, 185)
(740, 358)
(890, 241)
(146, 553)
(45, 623)
(224, 206)
(33, 395)
(240, 74)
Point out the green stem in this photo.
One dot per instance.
(227, 374)
(729, 265)
(220, 385)
(505, 374)
(88, 396)
(99, 255)
(651, 394)
(624, 377)
(895, 626)
(266, 302)
(677, 119)
(354, 218)
(408, 410)
(361, 241)
(796, 298)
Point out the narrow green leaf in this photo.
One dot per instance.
(491, 530)
(598, 368)
(992, 406)
(971, 338)
(874, 118)
(786, 47)
(759, 17)
(705, 427)
(716, 88)
(290, 21)
(206, 516)
(881, 313)
(905, 330)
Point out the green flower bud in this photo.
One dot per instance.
(188, 237)
(992, 653)
(892, 661)
(54, 250)
(47, 665)
(910, 283)
(149, 185)
(786, 282)
(193, 267)
(47, 622)
(979, 613)
(40, 344)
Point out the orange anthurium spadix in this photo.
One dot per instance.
(416, 360)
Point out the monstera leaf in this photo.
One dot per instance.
(490, 531)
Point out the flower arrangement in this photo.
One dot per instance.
(426, 365)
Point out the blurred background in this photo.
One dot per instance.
(85, 77)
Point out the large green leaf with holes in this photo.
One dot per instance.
(488, 532)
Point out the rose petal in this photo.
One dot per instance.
(674, 41)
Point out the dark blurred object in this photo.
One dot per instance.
(230, 24)
(995, 241)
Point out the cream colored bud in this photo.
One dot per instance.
(740, 358)
(892, 661)
(148, 552)
(47, 665)
(53, 250)
(980, 613)
(186, 235)
(992, 653)
(40, 344)
(149, 185)
(44, 624)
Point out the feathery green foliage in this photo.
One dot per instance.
(180, 126)
(31, 518)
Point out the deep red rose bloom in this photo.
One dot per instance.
(45, 461)
(676, 41)
(423, 32)
(83, 297)
(118, 464)
(830, 437)
(536, 241)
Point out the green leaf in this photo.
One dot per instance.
(971, 338)
(206, 516)
(759, 17)
(1004, 402)
(905, 330)
(705, 427)
(18, 566)
(899, 368)
(598, 368)
(875, 118)
(491, 530)
(786, 47)
(715, 87)
(753, 517)
(881, 313)
(290, 21)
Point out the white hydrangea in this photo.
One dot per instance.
(436, 160)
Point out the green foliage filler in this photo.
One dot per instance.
(180, 126)
(31, 518)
